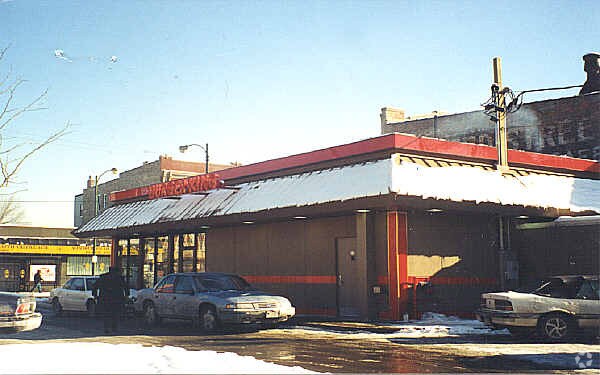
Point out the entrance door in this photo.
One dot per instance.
(347, 278)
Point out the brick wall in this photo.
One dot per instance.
(566, 126)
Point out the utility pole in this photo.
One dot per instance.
(500, 102)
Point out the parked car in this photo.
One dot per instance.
(557, 309)
(210, 300)
(75, 295)
(17, 312)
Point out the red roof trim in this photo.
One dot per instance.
(406, 142)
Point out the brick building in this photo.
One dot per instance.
(162, 170)
(565, 126)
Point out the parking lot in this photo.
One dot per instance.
(435, 346)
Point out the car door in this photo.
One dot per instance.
(163, 296)
(61, 293)
(77, 294)
(588, 304)
(184, 300)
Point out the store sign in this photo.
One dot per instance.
(182, 186)
(48, 271)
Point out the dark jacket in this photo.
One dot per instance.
(37, 278)
(110, 289)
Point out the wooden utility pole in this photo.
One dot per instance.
(499, 101)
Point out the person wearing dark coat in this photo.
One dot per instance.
(111, 293)
(37, 281)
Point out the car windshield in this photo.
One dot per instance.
(557, 288)
(219, 283)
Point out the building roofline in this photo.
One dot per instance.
(402, 143)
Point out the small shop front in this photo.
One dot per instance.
(143, 261)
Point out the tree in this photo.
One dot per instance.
(14, 155)
(11, 211)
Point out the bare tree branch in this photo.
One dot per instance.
(11, 211)
(12, 158)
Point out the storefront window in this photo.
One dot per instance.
(149, 265)
(175, 253)
(188, 242)
(162, 257)
(201, 254)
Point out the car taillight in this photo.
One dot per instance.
(501, 304)
(24, 308)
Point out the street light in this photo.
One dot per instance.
(184, 148)
(96, 203)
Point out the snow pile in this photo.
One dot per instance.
(101, 358)
(432, 325)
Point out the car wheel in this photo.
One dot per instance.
(557, 327)
(209, 322)
(56, 306)
(151, 317)
(90, 307)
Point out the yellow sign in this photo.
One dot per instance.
(54, 249)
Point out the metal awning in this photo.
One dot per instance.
(398, 176)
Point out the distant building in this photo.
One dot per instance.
(54, 251)
(566, 126)
(162, 170)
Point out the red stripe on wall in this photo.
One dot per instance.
(383, 280)
(256, 279)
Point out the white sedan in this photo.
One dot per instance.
(558, 309)
(75, 295)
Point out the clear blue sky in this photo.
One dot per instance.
(260, 79)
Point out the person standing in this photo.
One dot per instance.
(111, 293)
(37, 281)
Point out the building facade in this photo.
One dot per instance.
(374, 229)
(54, 251)
(161, 170)
(566, 126)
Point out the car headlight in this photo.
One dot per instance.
(239, 306)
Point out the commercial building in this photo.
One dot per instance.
(162, 170)
(372, 229)
(54, 251)
(565, 126)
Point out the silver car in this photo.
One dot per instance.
(558, 309)
(17, 312)
(75, 295)
(210, 300)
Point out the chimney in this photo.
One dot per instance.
(591, 65)
(90, 182)
(390, 115)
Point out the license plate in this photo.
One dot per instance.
(271, 314)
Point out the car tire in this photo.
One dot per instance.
(90, 307)
(56, 306)
(557, 327)
(151, 318)
(208, 320)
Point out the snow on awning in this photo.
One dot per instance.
(466, 183)
(398, 174)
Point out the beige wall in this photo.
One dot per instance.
(291, 248)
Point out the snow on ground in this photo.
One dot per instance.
(573, 356)
(102, 358)
(431, 325)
